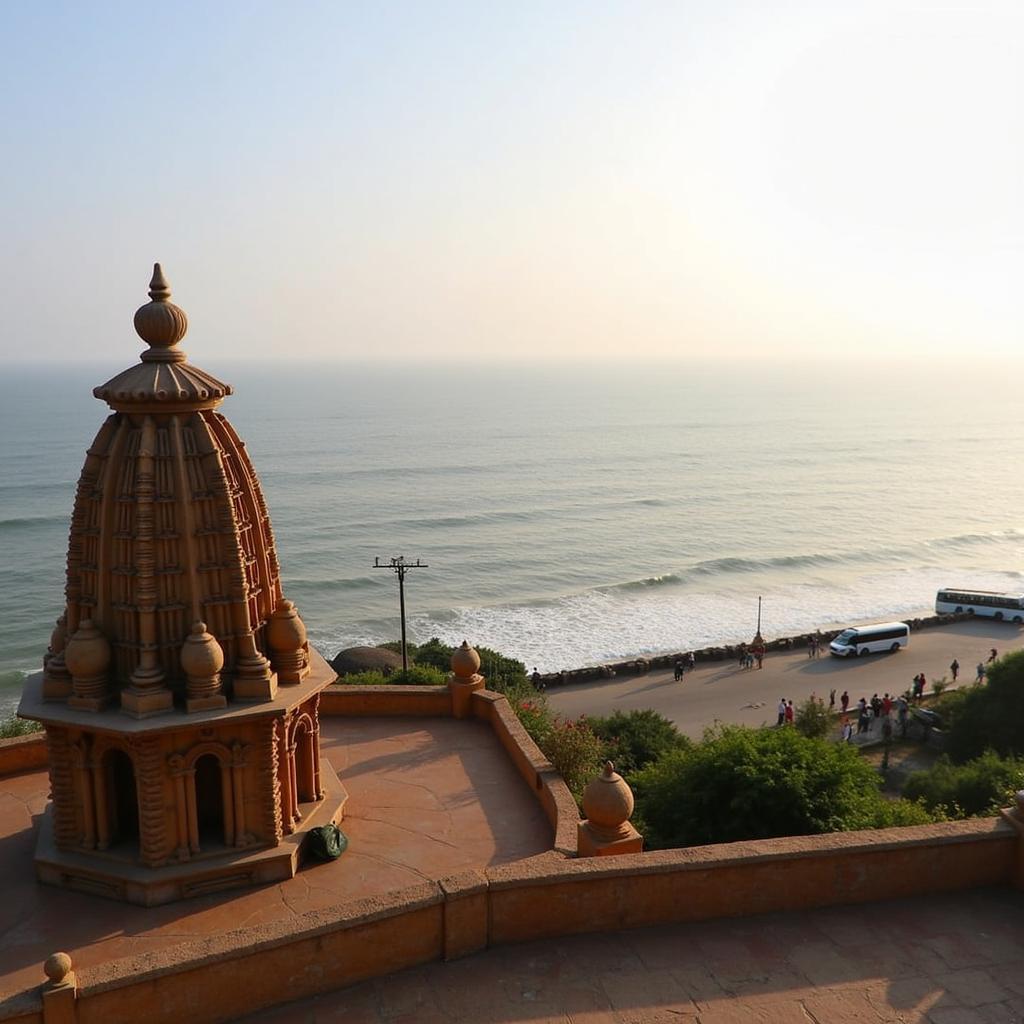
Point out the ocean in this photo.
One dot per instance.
(571, 515)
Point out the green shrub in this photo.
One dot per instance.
(417, 675)
(938, 685)
(635, 739)
(979, 787)
(813, 719)
(14, 726)
(502, 673)
(740, 783)
(574, 750)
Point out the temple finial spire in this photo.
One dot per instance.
(159, 289)
(160, 323)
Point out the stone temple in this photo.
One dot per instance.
(179, 696)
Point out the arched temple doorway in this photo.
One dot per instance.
(123, 807)
(305, 772)
(210, 802)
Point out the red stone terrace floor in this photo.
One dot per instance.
(954, 959)
(427, 798)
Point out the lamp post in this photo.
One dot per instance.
(757, 635)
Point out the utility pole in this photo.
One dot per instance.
(400, 566)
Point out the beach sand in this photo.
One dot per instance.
(721, 691)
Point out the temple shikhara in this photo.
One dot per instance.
(179, 695)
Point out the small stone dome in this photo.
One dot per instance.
(465, 661)
(201, 655)
(88, 651)
(286, 632)
(607, 800)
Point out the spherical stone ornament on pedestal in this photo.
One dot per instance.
(57, 967)
(202, 659)
(464, 680)
(608, 803)
(465, 661)
(87, 654)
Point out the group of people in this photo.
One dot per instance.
(748, 655)
(814, 646)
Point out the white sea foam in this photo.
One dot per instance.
(598, 626)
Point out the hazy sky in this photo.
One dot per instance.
(513, 180)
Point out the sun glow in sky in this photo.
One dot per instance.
(528, 180)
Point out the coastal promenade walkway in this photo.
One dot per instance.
(950, 959)
(721, 691)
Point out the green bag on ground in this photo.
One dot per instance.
(327, 842)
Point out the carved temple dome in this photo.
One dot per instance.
(171, 570)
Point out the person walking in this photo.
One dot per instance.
(992, 655)
(832, 699)
(980, 678)
(844, 701)
(782, 711)
(954, 669)
(847, 729)
(679, 669)
(789, 713)
(691, 661)
(810, 648)
(537, 679)
(901, 714)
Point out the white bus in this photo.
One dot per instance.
(882, 636)
(992, 603)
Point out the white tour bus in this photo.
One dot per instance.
(981, 602)
(882, 636)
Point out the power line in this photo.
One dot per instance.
(400, 567)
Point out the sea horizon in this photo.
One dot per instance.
(569, 515)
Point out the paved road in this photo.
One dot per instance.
(720, 690)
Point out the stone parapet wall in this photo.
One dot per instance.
(725, 652)
(217, 979)
(23, 754)
(386, 701)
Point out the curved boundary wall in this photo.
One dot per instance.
(222, 977)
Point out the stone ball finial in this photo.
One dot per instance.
(465, 661)
(201, 655)
(57, 967)
(608, 800)
(160, 323)
(87, 653)
(286, 632)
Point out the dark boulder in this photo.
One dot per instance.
(366, 659)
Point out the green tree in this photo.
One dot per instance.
(740, 783)
(635, 739)
(987, 717)
(813, 719)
